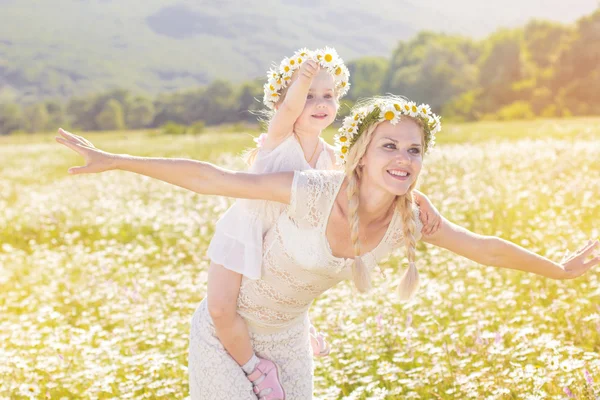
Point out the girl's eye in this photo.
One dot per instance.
(415, 150)
(310, 96)
(389, 146)
(328, 96)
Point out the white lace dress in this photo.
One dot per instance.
(297, 266)
(238, 239)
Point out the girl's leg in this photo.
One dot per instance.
(231, 329)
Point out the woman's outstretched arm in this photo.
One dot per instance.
(496, 252)
(198, 176)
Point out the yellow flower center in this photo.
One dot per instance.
(275, 95)
(407, 107)
(350, 129)
(356, 117)
(415, 108)
(319, 57)
(299, 60)
(292, 62)
(328, 57)
(397, 107)
(286, 68)
(338, 71)
(424, 110)
(344, 150)
(343, 84)
(343, 139)
(389, 115)
(272, 88)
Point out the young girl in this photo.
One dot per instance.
(304, 92)
(338, 226)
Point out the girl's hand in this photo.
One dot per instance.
(95, 160)
(308, 70)
(429, 215)
(574, 263)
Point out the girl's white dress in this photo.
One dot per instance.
(297, 266)
(238, 239)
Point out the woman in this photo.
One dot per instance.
(337, 226)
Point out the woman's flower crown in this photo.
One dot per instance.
(383, 109)
(278, 78)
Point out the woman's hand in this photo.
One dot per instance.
(575, 264)
(95, 160)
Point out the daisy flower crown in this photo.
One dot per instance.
(384, 109)
(279, 77)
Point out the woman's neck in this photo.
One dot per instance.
(375, 203)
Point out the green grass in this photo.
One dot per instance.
(100, 274)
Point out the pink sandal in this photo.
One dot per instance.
(319, 345)
(265, 381)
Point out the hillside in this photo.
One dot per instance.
(69, 47)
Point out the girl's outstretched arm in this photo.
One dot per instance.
(292, 105)
(496, 252)
(200, 177)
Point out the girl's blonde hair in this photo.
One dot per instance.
(404, 205)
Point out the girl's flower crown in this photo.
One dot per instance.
(279, 77)
(383, 109)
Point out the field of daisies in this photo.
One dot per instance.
(100, 274)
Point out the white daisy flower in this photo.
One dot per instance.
(29, 389)
(273, 85)
(285, 68)
(424, 110)
(389, 113)
(273, 73)
(341, 138)
(303, 52)
(413, 109)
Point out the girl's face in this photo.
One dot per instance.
(394, 157)
(321, 104)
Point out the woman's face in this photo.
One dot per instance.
(394, 157)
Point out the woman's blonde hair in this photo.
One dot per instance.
(404, 205)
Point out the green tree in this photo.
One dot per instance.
(37, 118)
(432, 68)
(367, 75)
(140, 113)
(11, 118)
(111, 116)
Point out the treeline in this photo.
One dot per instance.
(542, 69)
